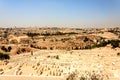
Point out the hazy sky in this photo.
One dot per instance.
(60, 13)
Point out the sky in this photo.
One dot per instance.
(60, 13)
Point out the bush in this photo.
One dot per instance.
(58, 33)
(86, 76)
(32, 34)
(88, 47)
(102, 44)
(14, 41)
(114, 43)
(4, 49)
(4, 56)
(65, 39)
(45, 34)
(9, 48)
(51, 48)
(57, 57)
(23, 50)
(86, 39)
(71, 76)
(118, 54)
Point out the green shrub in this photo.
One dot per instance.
(9, 48)
(58, 33)
(57, 57)
(114, 43)
(51, 48)
(102, 44)
(4, 56)
(29, 34)
(45, 34)
(71, 76)
(118, 54)
(86, 39)
(88, 47)
(4, 49)
(86, 76)
(65, 39)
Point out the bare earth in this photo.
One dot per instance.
(44, 63)
(59, 54)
